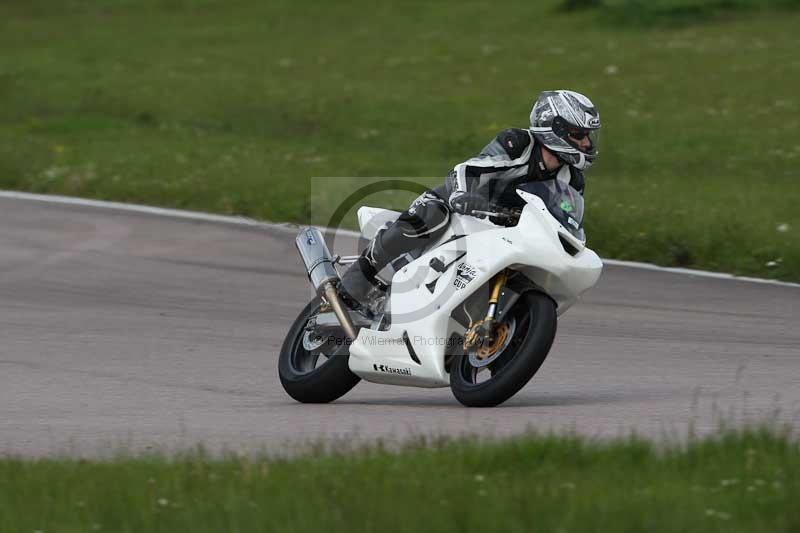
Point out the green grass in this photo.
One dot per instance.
(735, 481)
(674, 12)
(232, 106)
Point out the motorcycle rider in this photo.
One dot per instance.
(560, 143)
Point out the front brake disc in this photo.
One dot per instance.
(485, 355)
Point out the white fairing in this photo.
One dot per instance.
(422, 299)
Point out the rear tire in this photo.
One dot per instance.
(536, 318)
(310, 383)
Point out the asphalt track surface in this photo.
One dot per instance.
(126, 331)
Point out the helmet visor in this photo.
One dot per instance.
(584, 139)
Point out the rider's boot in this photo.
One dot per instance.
(357, 283)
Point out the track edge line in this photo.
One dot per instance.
(287, 226)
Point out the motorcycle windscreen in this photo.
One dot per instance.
(563, 202)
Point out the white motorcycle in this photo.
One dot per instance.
(475, 311)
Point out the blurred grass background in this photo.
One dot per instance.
(733, 481)
(232, 106)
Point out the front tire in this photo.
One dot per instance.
(536, 319)
(301, 376)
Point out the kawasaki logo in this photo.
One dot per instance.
(390, 370)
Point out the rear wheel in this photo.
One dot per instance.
(488, 377)
(314, 369)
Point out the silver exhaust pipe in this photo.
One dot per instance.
(322, 274)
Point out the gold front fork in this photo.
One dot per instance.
(482, 332)
(499, 283)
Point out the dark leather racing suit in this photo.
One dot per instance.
(513, 157)
(510, 159)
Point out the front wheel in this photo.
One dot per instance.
(314, 370)
(489, 379)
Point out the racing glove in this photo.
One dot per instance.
(465, 202)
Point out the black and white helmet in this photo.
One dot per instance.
(560, 120)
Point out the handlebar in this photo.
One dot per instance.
(501, 213)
